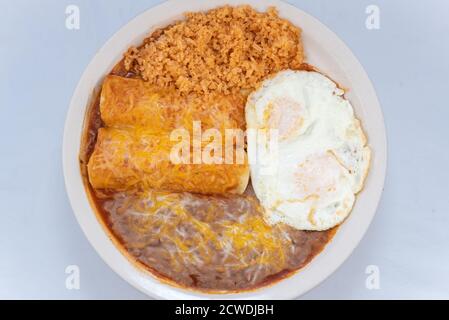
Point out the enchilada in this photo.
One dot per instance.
(126, 158)
(134, 102)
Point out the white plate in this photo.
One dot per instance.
(325, 51)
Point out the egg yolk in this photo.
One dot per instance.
(317, 176)
(285, 115)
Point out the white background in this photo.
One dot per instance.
(41, 62)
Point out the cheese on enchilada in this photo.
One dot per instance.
(134, 102)
(127, 158)
(133, 149)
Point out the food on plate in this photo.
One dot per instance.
(202, 225)
(213, 243)
(134, 148)
(223, 50)
(126, 102)
(130, 158)
(323, 149)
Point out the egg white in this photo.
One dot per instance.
(321, 157)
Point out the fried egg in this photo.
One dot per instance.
(308, 153)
